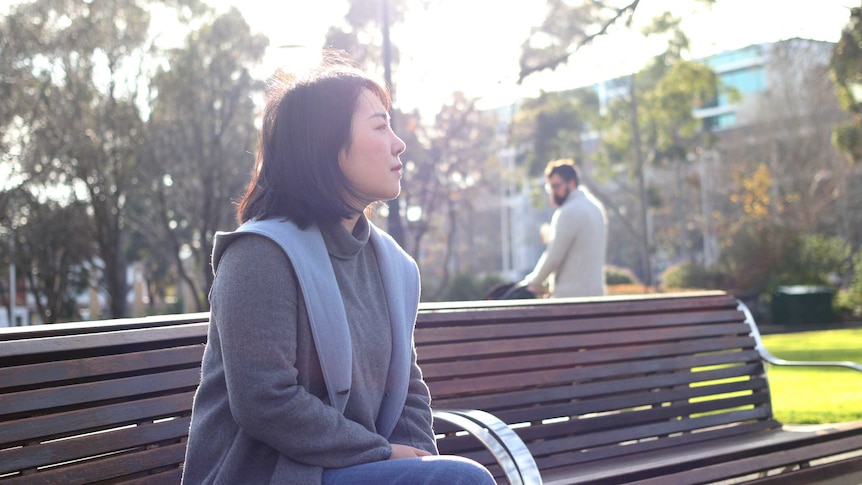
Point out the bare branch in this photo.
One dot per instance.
(585, 40)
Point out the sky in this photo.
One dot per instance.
(473, 45)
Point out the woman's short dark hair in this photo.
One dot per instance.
(306, 123)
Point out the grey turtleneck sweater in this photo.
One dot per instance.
(261, 413)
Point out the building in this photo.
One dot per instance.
(744, 118)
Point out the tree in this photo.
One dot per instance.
(788, 129)
(846, 72)
(75, 118)
(569, 26)
(550, 127)
(782, 181)
(365, 36)
(85, 125)
(51, 248)
(53, 251)
(452, 173)
(201, 137)
(653, 124)
(362, 33)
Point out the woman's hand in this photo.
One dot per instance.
(404, 451)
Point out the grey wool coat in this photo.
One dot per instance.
(290, 384)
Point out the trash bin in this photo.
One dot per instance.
(802, 305)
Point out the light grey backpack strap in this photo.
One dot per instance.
(330, 331)
(400, 277)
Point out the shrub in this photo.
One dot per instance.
(614, 275)
(813, 261)
(691, 275)
(850, 300)
(755, 255)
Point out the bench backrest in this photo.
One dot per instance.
(578, 380)
(82, 403)
(593, 379)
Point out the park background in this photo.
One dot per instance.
(723, 137)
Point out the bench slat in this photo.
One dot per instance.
(508, 398)
(94, 418)
(647, 357)
(774, 460)
(169, 476)
(92, 445)
(724, 452)
(579, 343)
(574, 440)
(195, 332)
(603, 405)
(567, 376)
(112, 467)
(87, 393)
(456, 332)
(47, 372)
(468, 313)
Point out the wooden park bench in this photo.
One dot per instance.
(668, 389)
(98, 402)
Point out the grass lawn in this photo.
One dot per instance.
(812, 395)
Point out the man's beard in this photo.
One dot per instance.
(559, 200)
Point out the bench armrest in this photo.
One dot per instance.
(768, 357)
(504, 444)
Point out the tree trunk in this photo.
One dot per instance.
(641, 181)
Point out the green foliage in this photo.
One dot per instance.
(692, 275)
(54, 249)
(755, 253)
(814, 261)
(761, 256)
(846, 63)
(552, 124)
(846, 71)
(847, 137)
(201, 137)
(80, 66)
(850, 300)
(614, 275)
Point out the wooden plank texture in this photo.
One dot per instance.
(660, 388)
(111, 402)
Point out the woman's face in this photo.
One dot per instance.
(371, 164)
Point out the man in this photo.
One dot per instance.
(573, 263)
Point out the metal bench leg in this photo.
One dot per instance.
(505, 445)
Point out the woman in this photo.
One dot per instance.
(309, 374)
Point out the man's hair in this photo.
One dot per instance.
(564, 168)
(306, 123)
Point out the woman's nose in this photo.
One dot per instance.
(399, 146)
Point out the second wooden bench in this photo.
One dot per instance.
(667, 389)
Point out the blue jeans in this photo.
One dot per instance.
(427, 470)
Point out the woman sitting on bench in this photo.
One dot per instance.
(309, 374)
